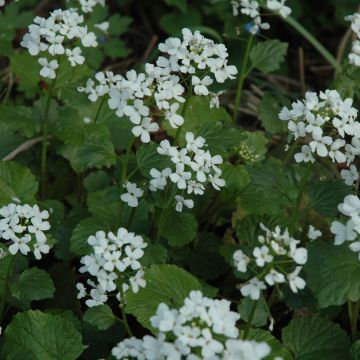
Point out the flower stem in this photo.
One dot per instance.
(250, 320)
(353, 317)
(183, 112)
(99, 109)
(45, 131)
(125, 163)
(242, 77)
(6, 286)
(313, 41)
(123, 314)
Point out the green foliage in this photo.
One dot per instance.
(315, 338)
(41, 336)
(267, 56)
(165, 283)
(100, 316)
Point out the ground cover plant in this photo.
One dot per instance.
(178, 179)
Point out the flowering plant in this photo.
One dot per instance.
(178, 180)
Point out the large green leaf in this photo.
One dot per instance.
(16, 182)
(32, 284)
(164, 283)
(268, 114)
(326, 195)
(100, 316)
(314, 338)
(268, 55)
(42, 337)
(333, 273)
(180, 228)
(236, 177)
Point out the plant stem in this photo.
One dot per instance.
(251, 318)
(45, 132)
(123, 314)
(183, 112)
(125, 164)
(313, 41)
(291, 151)
(99, 109)
(161, 221)
(353, 309)
(302, 186)
(6, 286)
(242, 77)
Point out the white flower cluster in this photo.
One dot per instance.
(24, 227)
(202, 328)
(58, 35)
(101, 86)
(87, 6)
(251, 8)
(2, 3)
(194, 167)
(354, 56)
(328, 126)
(349, 231)
(274, 259)
(115, 259)
(194, 58)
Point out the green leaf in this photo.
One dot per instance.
(164, 283)
(42, 337)
(268, 114)
(147, 158)
(180, 4)
(116, 48)
(252, 146)
(173, 22)
(180, 228)
(33, 284)
(16, 182)
(260, 317)
(278, 350)
(100, 317)
(267, 56)
(355, 350)
(154, 254)
(235, 176)
(333, 273)
(326, 195)
(316, 338)
(118, 24)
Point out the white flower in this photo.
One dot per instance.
(81, 290)
(200, 85)
(175, 119)
(299, 255)
(132, 195)
(136, 111)
(279, 7)
(20, 244)
(240, 261)
(253, 288)
(305, 155)
(104, 26)
(246, 350)
(313, 233)
(350, 176)
(262, 255)
(296, 282)
(48, 68)
(181, 202)
(273, 277)
(74, 56)
(144, 129)
(180, 176)
(343, 232)
(159, 179)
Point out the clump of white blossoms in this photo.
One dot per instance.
(354, 56)
(327, 127)
(350, 230)
(59, 35)
(194, 62)
(276, 260)
(114, 262)
(100, 86)
(202, 328)
(132, 194)
(87, 6)
(193, 168)
(24, 227)
(251, 8)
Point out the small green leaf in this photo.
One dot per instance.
(16, 182)
(118, 24)
(33, 284)
(261, 314)
(316, 338)
(42, 337)
(180, 4)
(180, 228)
(235, 176)
(268, 114)
(100, 317)
(268, 55)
